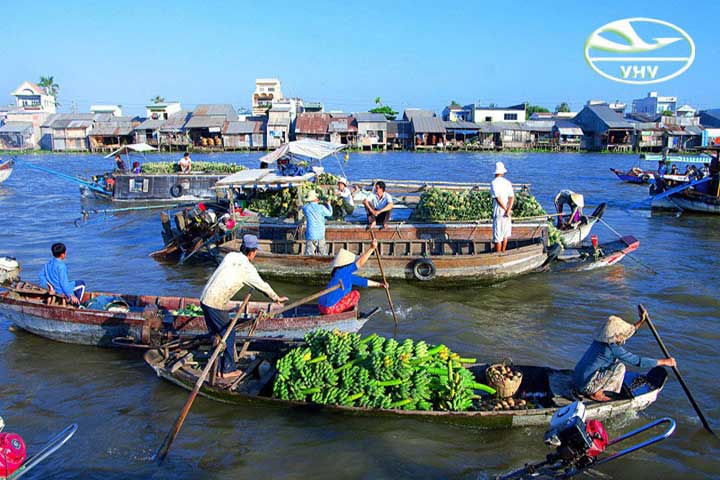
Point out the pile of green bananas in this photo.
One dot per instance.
(441, 205)
(287, 201)
(159, 168)
(373, 372)
(327, 179)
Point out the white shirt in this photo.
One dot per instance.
(500, 189)
(382, 202)
(347, 197)
(233, 274)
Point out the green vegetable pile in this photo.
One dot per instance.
(287, 201)
(442, 205)
(373, 372)
(188, 311)
(327, 179)
(159, 168)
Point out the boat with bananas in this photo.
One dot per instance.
(121, 320)
(373, 376)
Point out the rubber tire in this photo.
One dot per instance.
(645, 178)
(424, 269)
(176, 191)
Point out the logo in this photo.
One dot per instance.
(639, 51)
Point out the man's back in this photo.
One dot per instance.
(315, 213)
(500, 189)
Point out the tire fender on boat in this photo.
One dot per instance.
(176, 190)
(424, 269)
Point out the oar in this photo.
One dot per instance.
(170, 438)
(382, 273)
(644, 315)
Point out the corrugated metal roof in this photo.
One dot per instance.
(370, 117)
(16, 127)
(110, 130)
(239, 128)
(342, 125)
(411, 113)
(205, 121)
(460, 125)
(279, 122)
(566, 127)
(151, 124)
(539, 125)
(609, 117)
(176, 122)
(312, 123)
(214, 109)
(80, 124)
(428, 125)
(58, 119)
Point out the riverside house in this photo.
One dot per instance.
(343, 129)
(313, 126)
(428, 130)
(67, 132)
(22, 123)
(567, 136)
(372, 131)
(110, 132)
(244, 135)
(604, 129)
(206, 124)
(399, 135)
(171, 134)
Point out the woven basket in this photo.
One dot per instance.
(505, 387)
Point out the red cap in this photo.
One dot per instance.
(201, 206)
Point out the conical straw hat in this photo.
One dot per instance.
(343, 258)
(615, 330)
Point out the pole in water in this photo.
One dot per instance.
(644, 315)
(382, 273)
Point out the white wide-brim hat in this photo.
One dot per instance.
(311, 196)
(344, 258)
(615, 330)
(578, 199)
(500, 168)
(343, 180)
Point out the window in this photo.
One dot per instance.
(488, 119)
(510, 116)
(271, 89)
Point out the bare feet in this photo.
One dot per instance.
(230, 375)
(600, 397)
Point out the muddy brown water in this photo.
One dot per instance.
(124, 411)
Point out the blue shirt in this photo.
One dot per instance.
(601, 355)
(315, 213)
(344, 274)
(55, 273)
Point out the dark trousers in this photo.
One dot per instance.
(381, 218)
(217, 321)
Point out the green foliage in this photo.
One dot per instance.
(159, 168)
(386, 110)
(563, 108)
(667, 113)
(453, 103)
(530, 109)
(373, 372)
(51, 88)
(157, 99)
(287, 202)
(441, 205)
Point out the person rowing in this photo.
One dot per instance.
(602, 368)
(344, 266)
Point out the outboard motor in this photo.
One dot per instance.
(9, 270)
(577, 442)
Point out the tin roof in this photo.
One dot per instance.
(423, 124)
(205, 121)
(460, 125)
(566, 127)
(312, 123)
(176, 122)
(539, 125)
(240, 128)
(151, 124)
(411, 113)
(216, 109)
(16, 127)
(370, 117)
(609, 117)
(110, 130)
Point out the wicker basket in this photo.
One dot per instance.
(506, 387)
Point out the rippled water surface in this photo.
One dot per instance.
(124, 411)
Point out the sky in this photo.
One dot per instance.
(345, 54)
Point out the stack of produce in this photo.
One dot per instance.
(327, 179)
(506, 380)
(373, 372)
(287, 201)
(188, 311)
(438, 205)
(159, 168)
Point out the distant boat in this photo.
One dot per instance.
(635, 175)
(6, 169)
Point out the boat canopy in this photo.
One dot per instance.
(702, 158)
(134, 147)
(262, 179)
(306, 149)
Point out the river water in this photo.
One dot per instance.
(124, 411)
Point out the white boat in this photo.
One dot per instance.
(6, 169)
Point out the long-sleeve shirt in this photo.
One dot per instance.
(344, 274)
(316, 213)
(231, 276)
(55, 273)
(601, 355)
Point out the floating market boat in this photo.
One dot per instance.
(588, 257)
(112, 319)
(635, 175)
(6, 169)
(574, 235)
(548, 389)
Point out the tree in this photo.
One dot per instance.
(667, 113)
(157, 99)
(563, 107)
(453, 103)
(386, 110)
(530, 109)
(51, 88)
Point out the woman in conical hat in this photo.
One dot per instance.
(602, 368)
(344, 267)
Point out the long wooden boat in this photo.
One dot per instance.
(574, 236)
(635, 175)
(6, 169)
(150, 319)
(693, 201)
(549, 389)
(586, 257)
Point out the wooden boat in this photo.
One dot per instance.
(575, 235)
(585, 257)
(548, 388)
(635, 175)
(694, 201)
(6, 169)
(149, 319)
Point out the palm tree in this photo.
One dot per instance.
(51, 88)
(157, 99)
(378, 101)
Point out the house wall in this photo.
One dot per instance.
(372, 134)
(496, 115)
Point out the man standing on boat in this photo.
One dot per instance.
(235, 272)
(379, 206)
(602, 368)
(503, 198)
(315, 215)
(54, 276)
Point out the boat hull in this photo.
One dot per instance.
(697, 203)
(612, 253)
(645, 178)
(6, 169)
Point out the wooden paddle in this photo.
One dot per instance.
(646, 317)
(382, 273)
(170, 438)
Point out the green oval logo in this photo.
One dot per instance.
(639, 51)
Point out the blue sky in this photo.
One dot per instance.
(418, 53)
